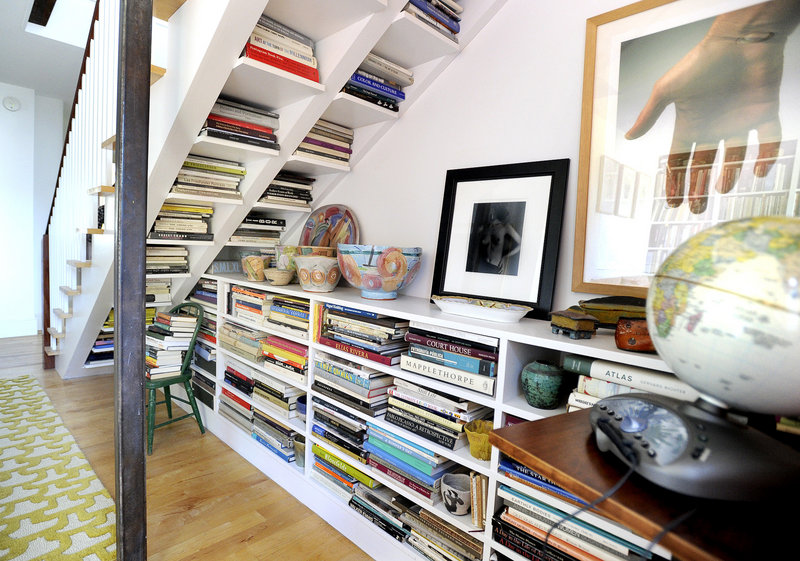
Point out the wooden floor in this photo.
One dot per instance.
(204, 502)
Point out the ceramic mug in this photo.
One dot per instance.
(456, 493)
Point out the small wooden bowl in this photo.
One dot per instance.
(279, 277)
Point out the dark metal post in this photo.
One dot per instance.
(133, 114)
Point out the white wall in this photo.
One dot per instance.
(514, 95)
(30, 147)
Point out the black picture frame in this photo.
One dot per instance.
(511, 210)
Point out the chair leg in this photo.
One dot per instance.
(195, 410)
(168, 396)
(151, 419)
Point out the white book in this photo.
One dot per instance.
(468, 380)
(283, 39)
(284, 50)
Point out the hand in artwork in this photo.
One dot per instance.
(726, 86)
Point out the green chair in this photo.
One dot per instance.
(183, 377)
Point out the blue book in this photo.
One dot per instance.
(537, 482)
(285, 455)
(437, 14)
(402, 466)
(376, 87)
(289, 311)
(424, 454)
(354, 311)
(453, 360)
(335, 470)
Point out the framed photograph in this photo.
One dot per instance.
(688, 104)
(499, 233)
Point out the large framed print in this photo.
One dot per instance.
(499, 233)
(689, 118)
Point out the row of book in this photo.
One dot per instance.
(245, 123)
(202, 176)
(183, 221)
(279, 312)
(379, 81)
(276, 44)
(289, 188)
(167, 340)
(327, 142)
(164, 260)
(102, 351)
(442, 15)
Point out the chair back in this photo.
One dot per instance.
(195, 310)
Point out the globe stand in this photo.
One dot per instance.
(695, 448)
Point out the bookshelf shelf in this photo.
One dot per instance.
(179, 242)
(410, 42)
(305, 165)
(168, 276)
(356, 113)
(251, 79)
(202, 198)
(229, 150)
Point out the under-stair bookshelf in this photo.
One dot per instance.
(519, 344)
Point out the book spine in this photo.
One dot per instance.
(241, 138)
(180, 236)
(371, 97)
(403, 456)
(377, 520)
(388, 69)
(427, 414)
(281, 62)
(330, 436)
(475, 382)
(281, 454)
(399, 443)
(324, 144)
(429, 395)
(437, 14)
(450, 347)
(301, 351)
(239, 123)
(346, 374)
(492, 342)
(421, 430)
(336, 424)
(453, 360)
(357, 391)
(270, 43)
(414, 486)
(236, 129)
(344, 466)
(632, 376)
(334, 473)
(238, 113)
(285, 30)
(290, 312)
(363, 353)
(350, 398)
(213, 167)
(377, 87)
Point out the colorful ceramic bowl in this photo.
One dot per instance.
(285, 254)
(379, 271)
(317, 273)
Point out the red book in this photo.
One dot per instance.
(281, 62)
(450, 347)
(388, 360)
(288, 345)
(239, 123)
(238, 374)
(236, 398)
(207, 337)
(417, 488)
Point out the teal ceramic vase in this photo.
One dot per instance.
(541, 383)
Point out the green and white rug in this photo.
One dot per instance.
(52, 505)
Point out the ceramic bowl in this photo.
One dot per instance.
(279, 277)
(317, 273)
(379, 271)
(285, 254)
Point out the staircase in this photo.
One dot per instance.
(205, 38)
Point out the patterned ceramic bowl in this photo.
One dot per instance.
(317, 273)
(379, 271)
(285, 254)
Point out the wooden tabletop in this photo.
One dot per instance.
(562, 448)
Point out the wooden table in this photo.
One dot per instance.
(562, 448)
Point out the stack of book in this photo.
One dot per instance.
(276, 398)
(458, 357)
(203, 385)
(278, 45)
(157, 291)
(437, 538)
(442, 15)
(360, 387)
(166, 260)
(524, 520)
(285, 358)
(339, 429)
(602, 378)
(289, 314)
(379, 507)
(205, 294)
(246, 235)
(249, 304)
(246, 123)
(166, 341)
(241, 341)
(102, 350)
(337, 475)
(238, 377)
(434, 416)
(289, 188)
(379, 81)
(177, 221)
(277, 437)
(366, 334)
(201, 177)
(236, 409)
(207, 335)
(256, 220)
(332, 143)
(419, 469)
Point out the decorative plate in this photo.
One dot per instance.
(481, 309)
(330, 225)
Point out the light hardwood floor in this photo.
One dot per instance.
(204, 502)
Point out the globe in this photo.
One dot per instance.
(723, 311)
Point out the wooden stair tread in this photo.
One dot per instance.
(95, 231)
(55, 333)
(156, 72)
(163, 9)
(51, 351)
(78, 264)
(101, 190)
(61, 314)
(69, 291)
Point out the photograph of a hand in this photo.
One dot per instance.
(723, 88)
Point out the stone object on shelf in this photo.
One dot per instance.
(542, 382)
(574, 323)
(632, 335)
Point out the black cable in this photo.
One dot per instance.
(672, 524)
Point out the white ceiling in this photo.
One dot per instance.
(48, 66)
